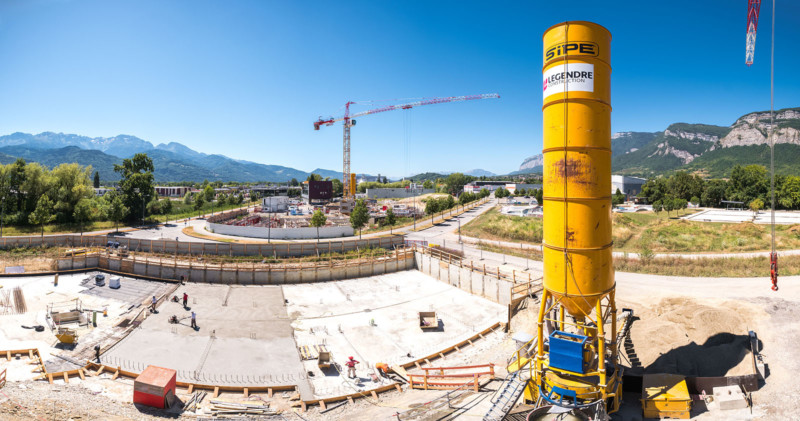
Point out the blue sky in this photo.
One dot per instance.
(247, 78)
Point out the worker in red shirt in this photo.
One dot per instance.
(185, 299)
(351, 368)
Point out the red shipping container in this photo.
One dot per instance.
(153, 386)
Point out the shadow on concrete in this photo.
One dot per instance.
(65, 347)
(439, 327)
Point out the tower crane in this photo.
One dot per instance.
(349, 121)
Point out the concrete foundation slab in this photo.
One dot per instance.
(243, 338)
(375, 319)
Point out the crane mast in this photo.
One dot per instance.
(349, 121)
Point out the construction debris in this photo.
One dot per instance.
(231, 408)
(192, 404)
(19, 301)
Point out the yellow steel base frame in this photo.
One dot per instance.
(602, 381)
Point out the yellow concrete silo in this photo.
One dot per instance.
(576, 360)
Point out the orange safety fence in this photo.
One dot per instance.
(444, 380)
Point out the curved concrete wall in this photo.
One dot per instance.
(241, 275)
(216, 248)
(280, 233)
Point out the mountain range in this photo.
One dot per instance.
(706, 150)
(172, 161)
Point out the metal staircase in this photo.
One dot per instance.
(510, 391)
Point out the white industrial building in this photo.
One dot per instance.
(629, 186)
(477, 186)
(275, 204)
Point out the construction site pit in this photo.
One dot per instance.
(247, 336)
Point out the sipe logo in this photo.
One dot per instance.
(581, 48)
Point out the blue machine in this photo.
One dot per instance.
(566, 351)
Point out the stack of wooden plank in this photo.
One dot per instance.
(222, 408)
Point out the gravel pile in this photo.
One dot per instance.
(43, 401)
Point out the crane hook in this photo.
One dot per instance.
(773, 269)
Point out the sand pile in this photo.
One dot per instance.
(683, 336)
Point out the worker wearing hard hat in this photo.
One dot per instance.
(351, 367)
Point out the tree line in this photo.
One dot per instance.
(32, 194)
(747, 184)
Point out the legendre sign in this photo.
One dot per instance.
(568, 78)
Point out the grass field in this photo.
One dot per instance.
(634, 232)
(60, 228)
(675, 266)
(493, 225)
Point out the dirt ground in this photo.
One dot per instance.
(682, 335)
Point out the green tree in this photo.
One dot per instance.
(748, 183)
(431, 206)
(116, 211)
(788, 195)
(385, 180)
(318, 219)
(520, 192)
(390, 219)
(668, 203)
(337, 187)
(618, 198)
(37, 183)
(681, 204)
(681, 185)
(187, 198)
(446, 203)
(294, 182)
(501, 193)
(657, 207)
(166, 206)
(209, 193)
(756, 205)
(714, 193)
(314, 177)
(17, 178)
(428, 184)
(359, 216)
(43, 212)
(465, 198)
(83, 212)
(454, 183)
(96, 180)
(539, 196)
(199, 201)
(154, 207)
(654, 189)
(136, 182)
(695, 200)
